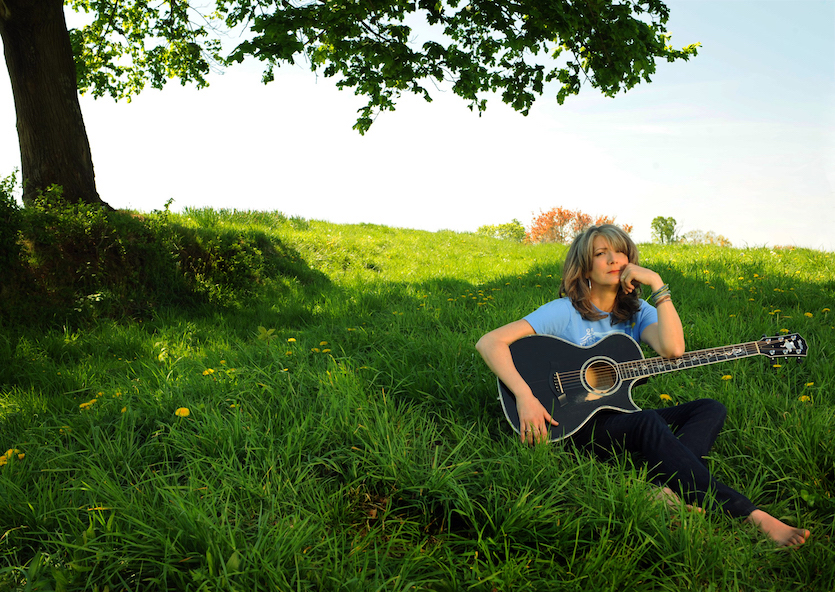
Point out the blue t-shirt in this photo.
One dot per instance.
(561, 319)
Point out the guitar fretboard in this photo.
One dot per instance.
(654, 366)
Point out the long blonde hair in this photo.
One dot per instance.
(578, 264)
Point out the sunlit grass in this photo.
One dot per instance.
(342, 432)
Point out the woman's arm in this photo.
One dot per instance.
(666, 336)
(494, 347)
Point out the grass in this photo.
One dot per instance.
(343, 434)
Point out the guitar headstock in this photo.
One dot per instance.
(783, 346)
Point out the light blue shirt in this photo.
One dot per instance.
(561, 319)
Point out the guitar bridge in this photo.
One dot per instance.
(561, 397)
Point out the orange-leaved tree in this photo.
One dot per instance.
(560, 225)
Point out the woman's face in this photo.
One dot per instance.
(607, 263)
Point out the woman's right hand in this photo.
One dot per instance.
(533, 419)
(494, 347)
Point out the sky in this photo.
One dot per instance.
(739, 141)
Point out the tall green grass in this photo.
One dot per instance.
(343, 434)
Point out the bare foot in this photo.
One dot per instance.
(782, 534)
(669, 497)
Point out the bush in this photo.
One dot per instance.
(9, 224)
(68, 262)
(512, 230)
(14, 280)
(87, 262)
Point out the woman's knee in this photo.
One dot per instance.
(713, 408)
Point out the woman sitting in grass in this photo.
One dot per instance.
(601, 281)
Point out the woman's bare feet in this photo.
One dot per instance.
(782, 534)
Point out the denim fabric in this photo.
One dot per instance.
(673, 441)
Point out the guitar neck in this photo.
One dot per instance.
(702, 357)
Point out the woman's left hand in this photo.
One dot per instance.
(632, 274)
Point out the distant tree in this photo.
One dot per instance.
(664, 230)
(479, 46)
(697, 237)
(553, 226)
(561, 225)
(512, 230)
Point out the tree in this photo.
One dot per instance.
(480, 47)
(664, 230)
(561, 225)
(698, 237)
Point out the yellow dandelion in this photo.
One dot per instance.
(804, 398)
(326, 351)
(323, 343)
(88, 404)
(776, 365)
(315, 350)
(182, 412)
(810, 384)
(784, 330)
(208, 371)
(825, 310)
(11, 453)
(665, 397)
(291, 340)
(727, 377)
(808, 314)
(124, 409)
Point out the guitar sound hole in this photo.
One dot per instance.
(600, 376)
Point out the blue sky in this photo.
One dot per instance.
(739, 141)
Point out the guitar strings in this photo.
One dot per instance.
(611, 372)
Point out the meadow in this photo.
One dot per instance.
(337, 430)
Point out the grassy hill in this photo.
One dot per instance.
(331, 427)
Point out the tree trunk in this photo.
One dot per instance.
(53, 140)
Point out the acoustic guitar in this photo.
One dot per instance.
(574, 382)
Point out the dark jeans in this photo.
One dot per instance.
(673, 441)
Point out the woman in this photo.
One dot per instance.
(599, 293)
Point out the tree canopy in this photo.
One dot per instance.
(379, 48)
(479, 46)
(664, 230)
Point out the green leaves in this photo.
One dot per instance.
(664, 230)
(381, 49)
(129, 43)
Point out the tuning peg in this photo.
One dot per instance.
(799, 360)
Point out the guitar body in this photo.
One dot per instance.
(572, 382)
